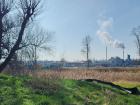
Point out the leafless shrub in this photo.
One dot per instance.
(42, 86)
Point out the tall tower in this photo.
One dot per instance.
(123, 58)
(106, 53)
(123, 54)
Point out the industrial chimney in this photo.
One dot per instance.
(123, 57)
(106, 53)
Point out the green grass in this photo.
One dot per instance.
(128, 84)
(33, 91)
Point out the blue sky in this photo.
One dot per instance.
(72, 20)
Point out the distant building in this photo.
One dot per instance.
(116, 61)
(128, 61)
(101, 63)
(74, 64)
(112, 62)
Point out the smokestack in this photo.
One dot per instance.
(123, 56)
(106, 53)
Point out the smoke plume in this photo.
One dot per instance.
(104, 34)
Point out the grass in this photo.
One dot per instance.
(128, 84)
(25, 90)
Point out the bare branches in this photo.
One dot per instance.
(86, 44)
(136, 33)
(37, 37)
(8, 25)
(35, 41)
(5, 7)
(86, 47)
(29, 7)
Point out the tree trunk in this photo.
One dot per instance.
(87, 56)
(15, 47)
(1, 31)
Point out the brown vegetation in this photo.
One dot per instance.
(104, 74)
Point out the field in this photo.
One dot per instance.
(120, 76)
(68, 87)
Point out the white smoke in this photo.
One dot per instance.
(104, 34)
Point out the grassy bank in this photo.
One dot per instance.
(33, 91)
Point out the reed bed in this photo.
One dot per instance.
(104, 74)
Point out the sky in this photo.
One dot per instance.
(72, 20)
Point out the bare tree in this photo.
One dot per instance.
(27, 10)
(35, 41)
(5, 8)
(86, 48)
(136, 33)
